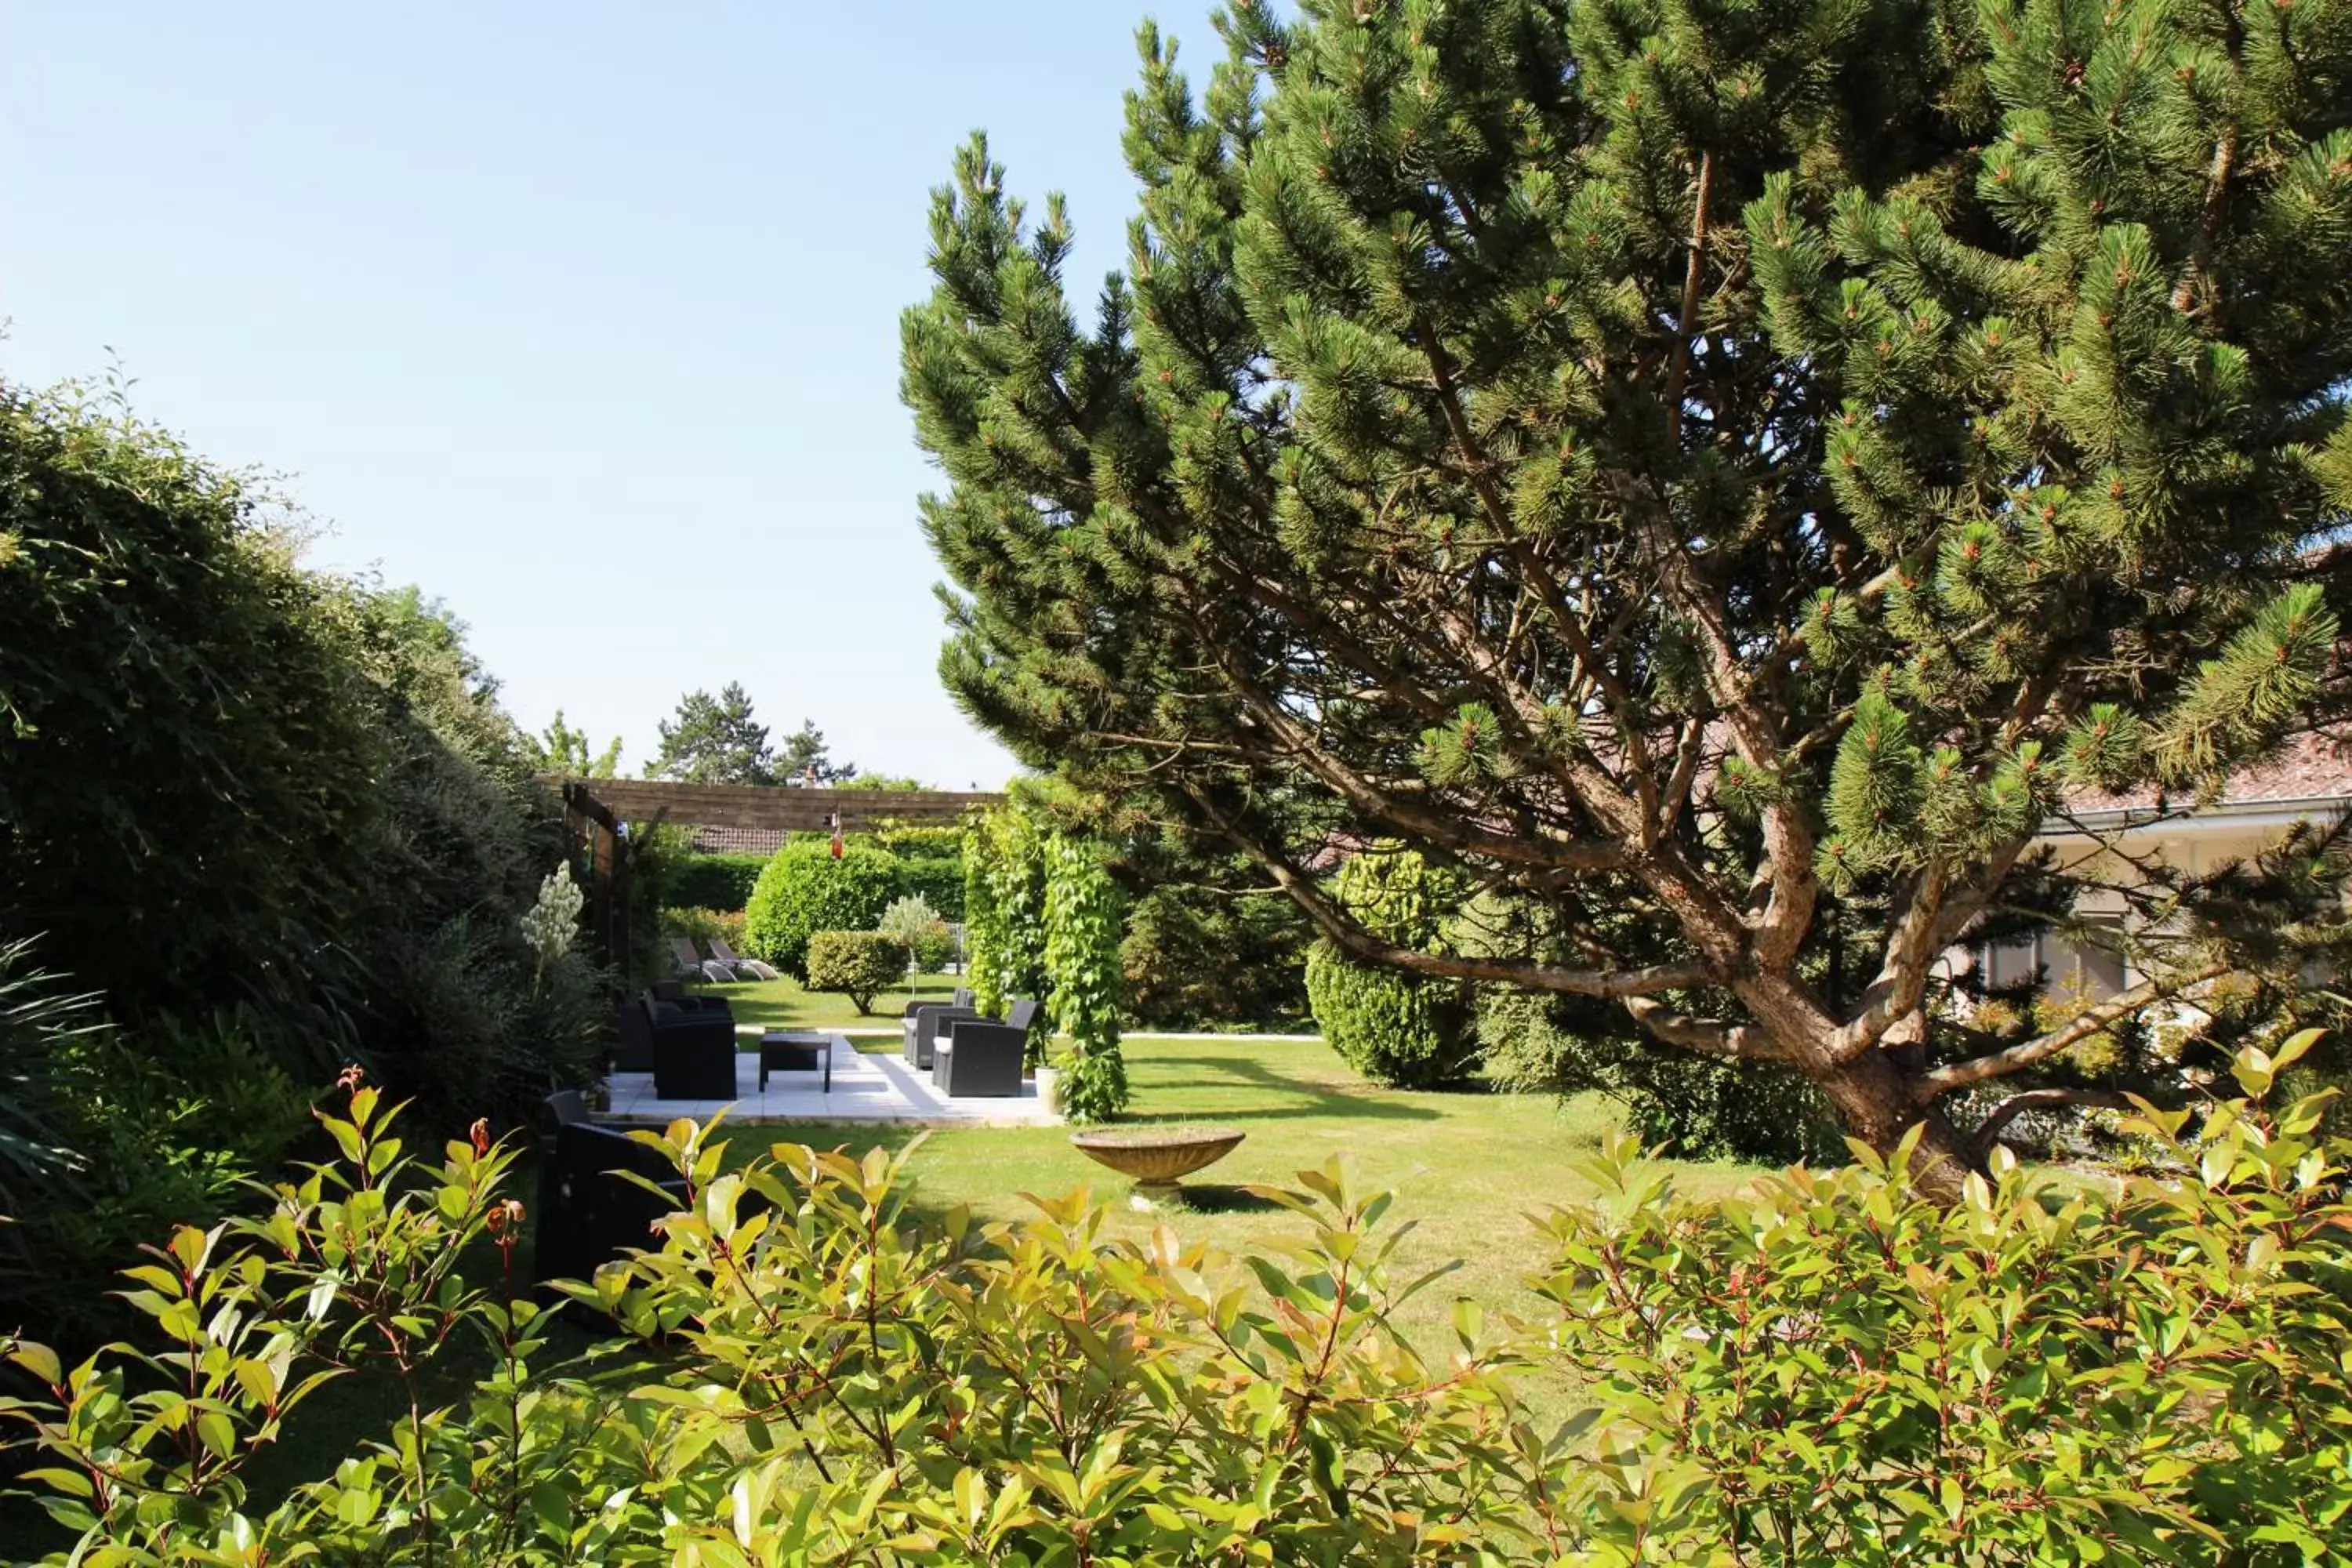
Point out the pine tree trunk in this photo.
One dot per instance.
(1870, 1093)
(1874, 1103)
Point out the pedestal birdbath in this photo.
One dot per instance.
(1158, 1158)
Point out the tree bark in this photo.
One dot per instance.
(1878, 1105)
(1876, 1099)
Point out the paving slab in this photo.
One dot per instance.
(865, 1088)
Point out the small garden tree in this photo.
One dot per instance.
(862, 965)
(913, 922)
(1690, 462)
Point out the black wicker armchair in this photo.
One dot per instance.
(588, 1214)
(984, 1057)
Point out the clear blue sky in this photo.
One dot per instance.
(584, 318)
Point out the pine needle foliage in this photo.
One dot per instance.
(1735, 450)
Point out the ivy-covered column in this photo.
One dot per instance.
(1005, 909)
(983, 930)
(1016, 872)
(1082, 933)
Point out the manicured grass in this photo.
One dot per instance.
(1467, 1168)
(783, 1004)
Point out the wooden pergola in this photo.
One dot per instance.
(595, 809)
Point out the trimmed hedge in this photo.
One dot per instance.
(937, 880)
(714, 882)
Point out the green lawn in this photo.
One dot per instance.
(1467, 1167)
(783, 1004)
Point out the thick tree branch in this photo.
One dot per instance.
(1709, 1037)
(1942, 1080)
(1989, 1130)
(1902, 978)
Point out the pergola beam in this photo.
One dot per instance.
(784, 809)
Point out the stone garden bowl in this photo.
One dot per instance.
(1158, 1158)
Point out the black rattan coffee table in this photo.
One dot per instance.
(796, 1051)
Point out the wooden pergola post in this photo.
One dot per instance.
(608, 877)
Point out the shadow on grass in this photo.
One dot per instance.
(1222, 1197)
(1311, 1098)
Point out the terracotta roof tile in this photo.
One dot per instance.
(2310, 767)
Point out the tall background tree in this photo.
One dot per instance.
(1690, 467)
(561, 750)
(805, 755)
(715, 740)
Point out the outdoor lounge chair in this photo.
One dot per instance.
(690, 964)
(982, 1058)
(919, 1031)
(722, 953)
(588, 1214)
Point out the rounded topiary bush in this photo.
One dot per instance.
(1394, 1028)
(860, 964)
(803, 891)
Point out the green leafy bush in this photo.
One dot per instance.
(1082, 929)
(1394, 1028)
(846, 1386)
(167, 1124)
(1819, 1371)
(912, 920)
(1823, 1369)
(860, 964)
(714, 882)
(2046, 1372)
(803, 891)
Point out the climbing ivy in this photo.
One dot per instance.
(1004, 908)
(984, 932)
(1082, 937)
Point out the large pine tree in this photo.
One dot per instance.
(715, 740)
(1686, 462)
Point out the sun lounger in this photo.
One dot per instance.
(727, 955)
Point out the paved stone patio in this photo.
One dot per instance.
(865, 1089)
